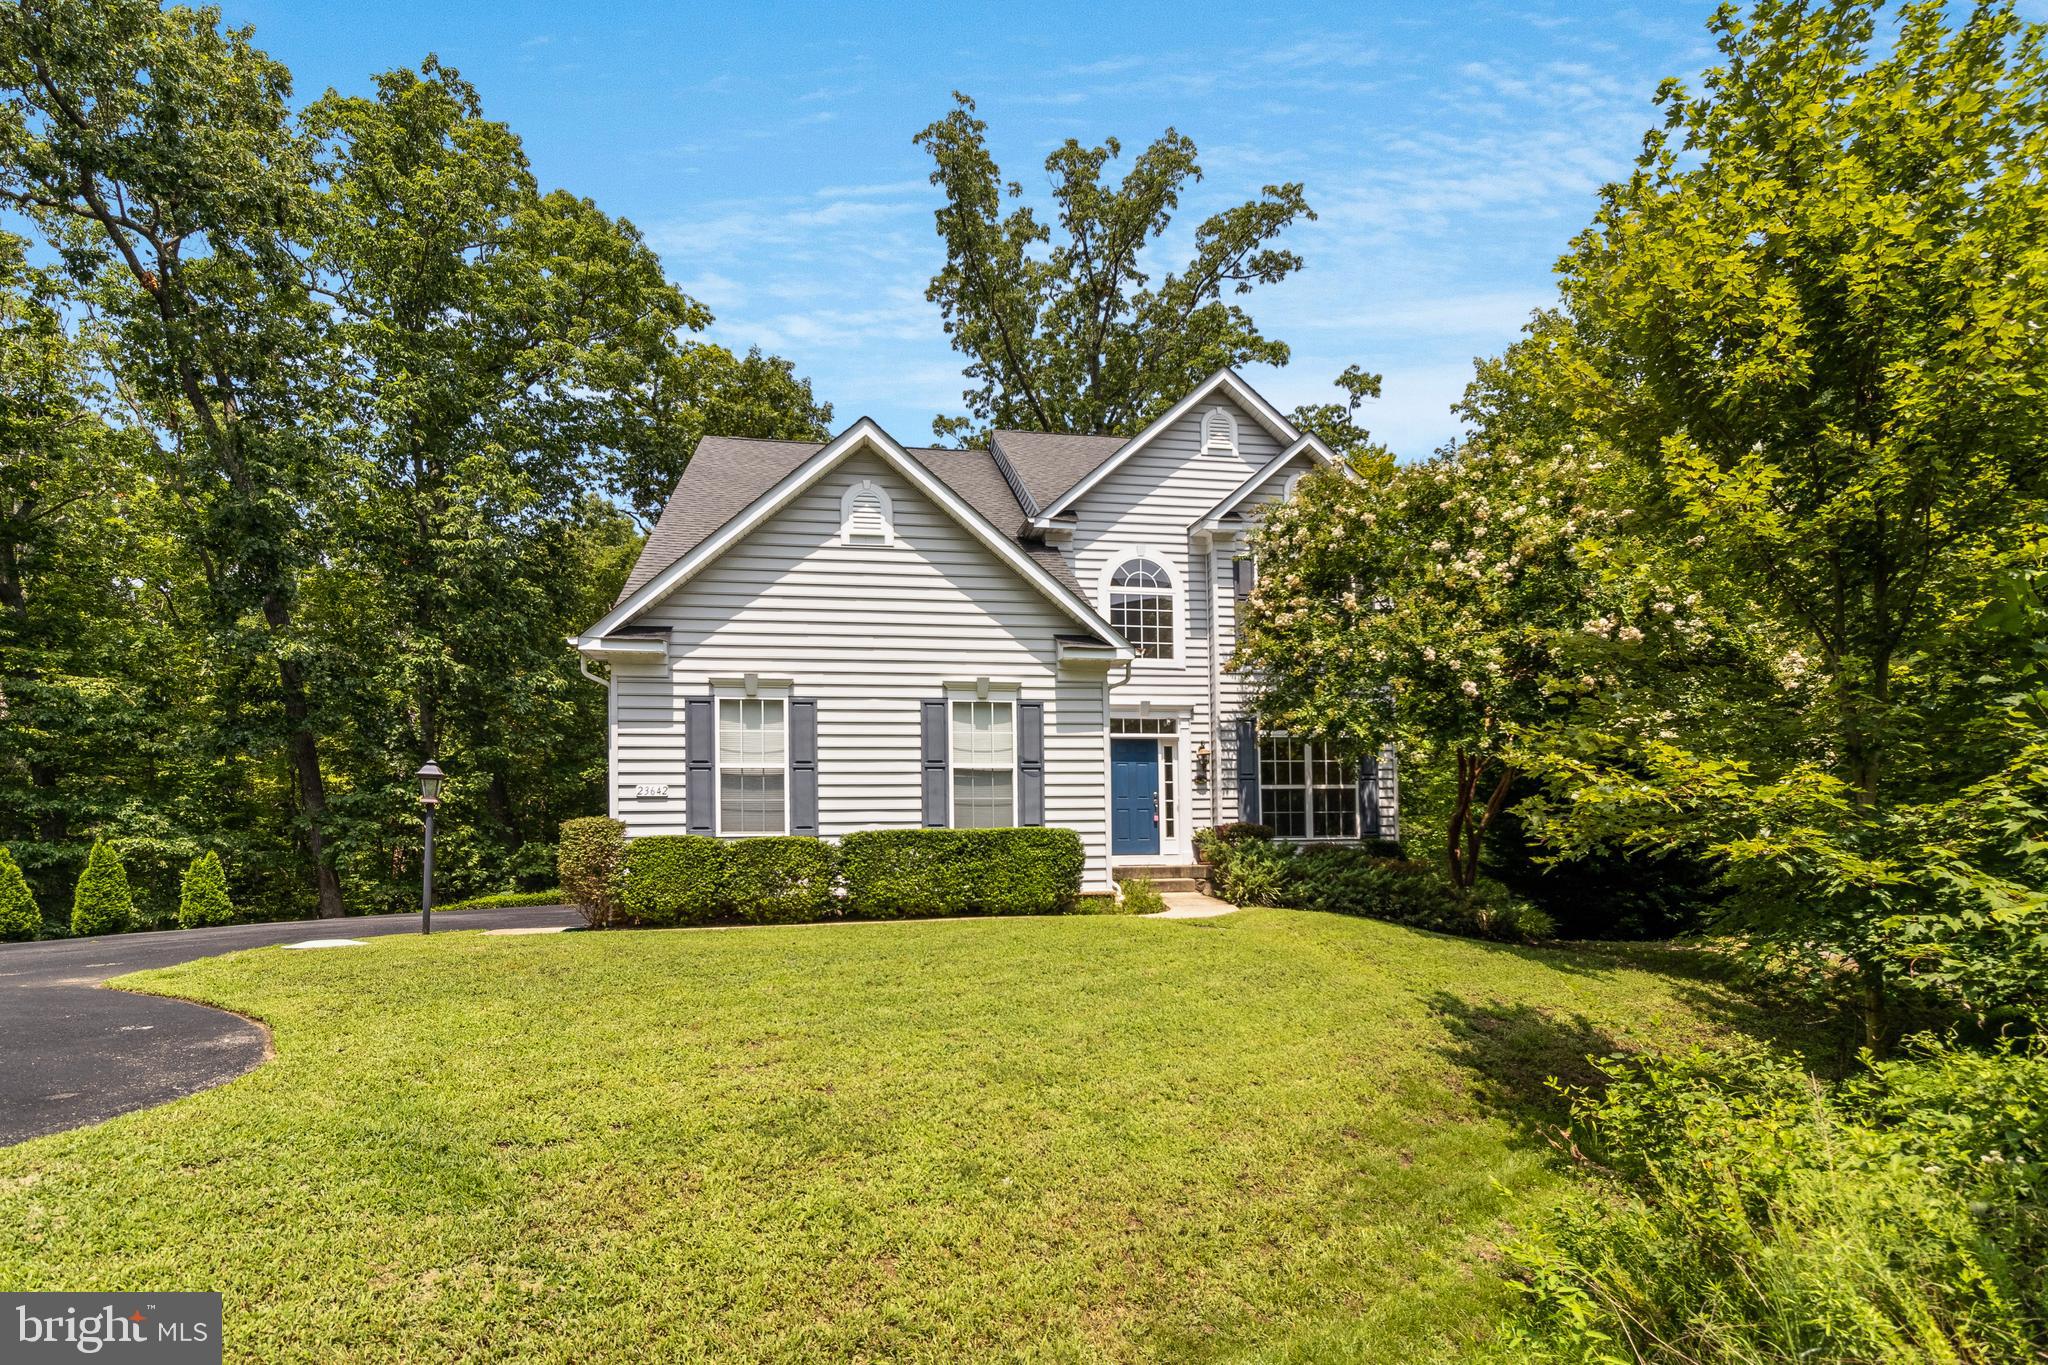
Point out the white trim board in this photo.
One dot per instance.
(864, 434)
(1307, 445)
(1264, 413)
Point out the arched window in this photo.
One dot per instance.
(1287, 489)
(866, 515)
(1219, 430)
(1141, 606)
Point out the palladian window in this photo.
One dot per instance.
(1141, 607)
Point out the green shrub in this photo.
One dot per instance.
(506, 900)
(1737, 1210)
(590, 860)
(19, 918)
(779, 880)
(905, 873)
(674, 879)
(1358, 879)
(102, 904)
(1141, 897)
(203, 896)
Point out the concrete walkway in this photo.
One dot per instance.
(76, 1054)
(1192, 905)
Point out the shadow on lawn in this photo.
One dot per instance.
(1518, 1055)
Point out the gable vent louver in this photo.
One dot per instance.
(866, 517)
(1219, 430)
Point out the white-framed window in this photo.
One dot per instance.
(1306, 791)
(867, 515)
(753, 765)
(1140, 595)
(1293, 482)
(984, 741)
(1219, 430)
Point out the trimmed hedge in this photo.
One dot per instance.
(102, 904)
(779, 880)
(508, 900)
(19, 918)
(1362, 880)
(203, 895)
(674, 879)
(589, 861)
(696, 879)
(906, 873)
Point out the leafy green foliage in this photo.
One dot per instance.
(1807, 341)
(590, 860)
(1076, 337)
(204, 896)
(498, 900)
(318, 437)
(781, 880)
(910, 873)
(674, 879)
(102, 904)
(19, 917)
(1140, 897)
(698, 879)
(1737, 1210)
(1352, 880)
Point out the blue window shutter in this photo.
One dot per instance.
(1244, 573)
(938, 791)
(1030, 762)
(1247, 770)
(700, 750)
(1368, 798)
(803, 767)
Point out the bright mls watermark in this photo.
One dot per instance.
(165, 1329)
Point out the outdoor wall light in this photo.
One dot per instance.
(1202, 763)
(430, 777)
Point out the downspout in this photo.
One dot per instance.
(1215, 721)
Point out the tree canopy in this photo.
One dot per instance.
(1074, 335)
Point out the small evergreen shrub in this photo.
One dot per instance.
(589, 861)
(1141, 897)
(102, 903)
(19, 917)
(779, 880)
(674, 879)
(907, 873)
(203, 896)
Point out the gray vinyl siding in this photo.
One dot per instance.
(1154, 499)
(869, 632)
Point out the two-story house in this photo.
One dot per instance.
(819, 639)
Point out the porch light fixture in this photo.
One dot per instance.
(430, 777)
(1202, 763)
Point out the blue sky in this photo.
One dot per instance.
(1451, 149)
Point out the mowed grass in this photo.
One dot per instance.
(1271, 1136)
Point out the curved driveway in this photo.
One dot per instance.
(72, 1053)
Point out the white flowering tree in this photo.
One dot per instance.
(1433, 605)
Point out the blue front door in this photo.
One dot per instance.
(1134, 796)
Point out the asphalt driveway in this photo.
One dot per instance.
(72, 1053)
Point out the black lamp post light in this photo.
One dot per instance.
(430, 796)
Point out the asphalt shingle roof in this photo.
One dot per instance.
(727, 474)
(1049, 463)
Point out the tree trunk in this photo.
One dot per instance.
(305, 751)
(1466, 834)
(1873, 1003)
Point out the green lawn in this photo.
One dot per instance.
(1273, 1136)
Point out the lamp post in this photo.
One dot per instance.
(430, 797)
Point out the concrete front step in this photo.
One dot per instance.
(1183, 877)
